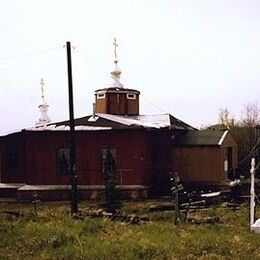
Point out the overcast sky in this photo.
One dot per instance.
(188, 58)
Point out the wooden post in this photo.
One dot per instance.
(176, 187)
(73, 175)
(252, 193)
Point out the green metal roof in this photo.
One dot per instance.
(199, 138)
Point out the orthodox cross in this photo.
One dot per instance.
(115, 46)
(42, 89)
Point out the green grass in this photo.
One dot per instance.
(53, 234)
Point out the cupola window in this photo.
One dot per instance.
(131, 96)
(101, 96)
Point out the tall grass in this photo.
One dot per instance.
(53, 234)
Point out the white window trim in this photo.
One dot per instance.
(101, 96)
(130, 96)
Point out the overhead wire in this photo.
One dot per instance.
(29, 54)
(95, 64)
(104, 71)
(142, 97)
(77, 51)
(89, 60)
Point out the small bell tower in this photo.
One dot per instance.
(43, 107)
(116, 99)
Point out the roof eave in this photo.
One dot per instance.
(222, 138)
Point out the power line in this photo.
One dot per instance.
(77, 51)
(104, 71)
(95, 64)
(89, 60)
(29, 54)
(142, 97)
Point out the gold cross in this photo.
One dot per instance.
(42, 89)
(115, 45)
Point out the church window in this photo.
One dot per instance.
(11, 157)
(63, 161)
(101, 96)
(108, 160)
(131, 96)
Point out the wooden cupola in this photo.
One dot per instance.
(117, 99)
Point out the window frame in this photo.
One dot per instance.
(62, 170)
(101, 96)
(11, 157)
(113, 152)
(131, 96)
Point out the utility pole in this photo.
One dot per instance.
(72, 165)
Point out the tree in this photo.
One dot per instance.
(225, 118)
(249, 120)
(244, 131)
(250, 115)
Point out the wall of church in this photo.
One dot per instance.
(13, 158)
(101, 105)
(116, 103)
(131, 156)
(141, 158)
(133, 106)
(160, 163)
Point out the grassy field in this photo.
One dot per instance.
(53, 234)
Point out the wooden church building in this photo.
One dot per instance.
(145, 150)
